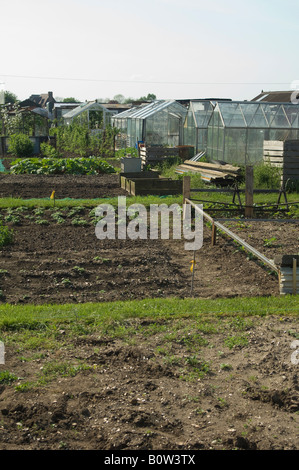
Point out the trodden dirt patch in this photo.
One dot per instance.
(171, 385)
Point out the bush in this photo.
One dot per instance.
(20, 145)
(48, 150)
(267, 177)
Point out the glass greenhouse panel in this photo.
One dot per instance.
(254, 146)
(247, 125)
(189, 130)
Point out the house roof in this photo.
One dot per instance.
(43, 99)
(275, 96)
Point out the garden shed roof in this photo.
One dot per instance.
(275, 96)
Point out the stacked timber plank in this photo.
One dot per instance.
(217, 173)
(284, 155)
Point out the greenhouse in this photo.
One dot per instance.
(237, 130)
(157, 123)
(92, 114)
(196, 124)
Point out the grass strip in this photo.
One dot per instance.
(38, 316)
(47, 203)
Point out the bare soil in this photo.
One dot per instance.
(67, 263)
(139, 392)
(65, 186)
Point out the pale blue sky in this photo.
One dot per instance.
(174, 48)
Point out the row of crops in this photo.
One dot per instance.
(49, 166)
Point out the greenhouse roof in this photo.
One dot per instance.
(143, 112)
(258, 115)
(90, 106)
(202, 111)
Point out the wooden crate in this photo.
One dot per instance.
(153, 186)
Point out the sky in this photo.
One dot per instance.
(175, 49)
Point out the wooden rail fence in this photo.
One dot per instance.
(286, 266)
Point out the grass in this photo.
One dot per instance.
(36, 317)
(47, 203)
(182, 332)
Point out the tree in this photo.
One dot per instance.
(70, 100)
(10, 97)
(119, 98)
(149, 97)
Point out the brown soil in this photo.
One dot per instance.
(42, 265)
(140, 392)
(79, 187)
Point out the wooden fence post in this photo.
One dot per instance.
(186, 187)
(294, 276)
(213, 240)
(186, 192)
(249, 192)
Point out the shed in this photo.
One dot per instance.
(157, 123)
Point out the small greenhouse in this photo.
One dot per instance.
(237, 130)
(92, 113)
(157, 123)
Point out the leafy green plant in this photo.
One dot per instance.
(40, 221)
(7, 377)
(6, 235)
(81, 140)
(14, 219)
(234, 341)
(20, 145)
(126, 151)
(224, 366)
(48, 150)
(267, 176)
(269, 241)
(47, 166)
(78, 269)
(79, 221)
(57, 216)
